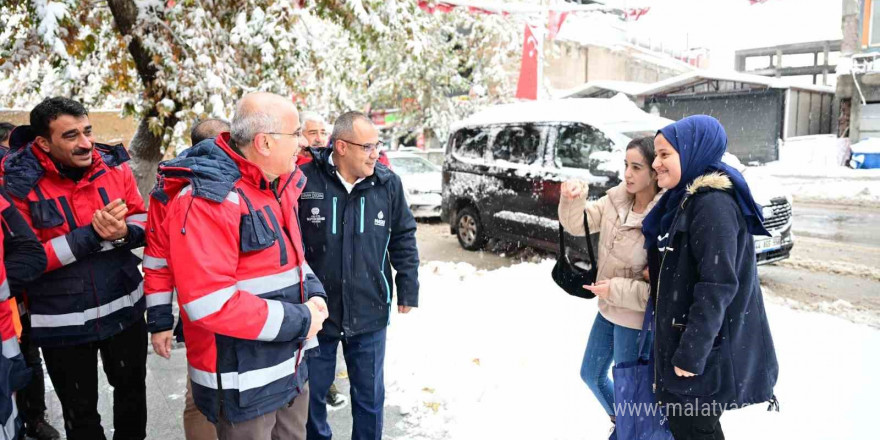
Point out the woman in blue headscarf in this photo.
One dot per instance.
(712, 345)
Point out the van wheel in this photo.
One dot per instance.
(470, 231)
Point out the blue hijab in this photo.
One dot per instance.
(701, 142)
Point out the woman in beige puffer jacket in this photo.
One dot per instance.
(620, 287)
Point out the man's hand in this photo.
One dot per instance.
(681, 373)
(602, 288)
(321, 304)
(162, 343)
(108, 227)
(318, 315)
(117, 209)
(574, 189)
(404, 309)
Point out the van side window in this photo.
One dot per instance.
(576, 143)
(470, 142)
(518, 144)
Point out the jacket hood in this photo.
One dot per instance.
(24, 166)
(716, 180)
(206, 166)
(322, 161)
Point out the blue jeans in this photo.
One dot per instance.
(607, 341)
(365, 359)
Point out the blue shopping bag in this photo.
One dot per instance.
(637, 415)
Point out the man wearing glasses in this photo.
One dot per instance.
(356, 226)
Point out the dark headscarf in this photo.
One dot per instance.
(701, 142)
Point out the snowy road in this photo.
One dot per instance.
(838, 277)
(841, 223)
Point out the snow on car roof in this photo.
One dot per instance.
(617, 112)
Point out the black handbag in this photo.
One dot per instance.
(570, 277)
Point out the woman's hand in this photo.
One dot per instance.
(681, 373)
(574, 189)
(602, 288)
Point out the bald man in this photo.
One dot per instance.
(250, 304)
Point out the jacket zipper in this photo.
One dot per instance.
(660, 278)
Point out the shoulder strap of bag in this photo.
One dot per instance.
(589, 241)
(587, 236)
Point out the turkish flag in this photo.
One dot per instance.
(555, 23)
(527, 88)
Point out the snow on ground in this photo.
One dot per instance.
(824, 183)
(496, 355)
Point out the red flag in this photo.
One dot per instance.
(432, 7)
(636, 13)
(527, 88)
(555, 22)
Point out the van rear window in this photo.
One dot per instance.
(575, 145)
(470, 142)
(517, 144)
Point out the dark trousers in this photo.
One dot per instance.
(74, 374)
(31, 399)
(701, 427)
(365, 359)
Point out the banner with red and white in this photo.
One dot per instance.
(527, 87)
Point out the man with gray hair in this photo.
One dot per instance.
(249, 302)
(356, 226)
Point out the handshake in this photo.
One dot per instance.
(318, 311)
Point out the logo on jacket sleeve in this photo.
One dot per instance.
(316, 217)
(380, 219)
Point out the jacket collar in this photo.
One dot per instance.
(24, 167)
(252, 174)
(210, 169)
(322, 160)
(710, 181)
(623, 203)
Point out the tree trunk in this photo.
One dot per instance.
(146, 153)
(146, 147)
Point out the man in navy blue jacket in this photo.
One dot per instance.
(356, 225)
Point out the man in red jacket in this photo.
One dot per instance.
(158, 282)
(249, 302)
(82, 202)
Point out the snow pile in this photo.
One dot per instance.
(823, 183)
(521, 217)
(823, 150)
(497, 355)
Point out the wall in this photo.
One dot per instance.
(107, 125)
(752, 120)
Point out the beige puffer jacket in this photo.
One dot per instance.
(621, 253)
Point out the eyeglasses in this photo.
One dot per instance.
(368, 148)
(297, 133)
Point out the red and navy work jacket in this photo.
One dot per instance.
(14, 374)
(238, 265)
(215, 175)
(91, 290)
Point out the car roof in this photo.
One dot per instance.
(617, 113)
(402, 154)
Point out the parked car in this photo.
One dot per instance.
(776, 204)
(422, 181)
(505, 166)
